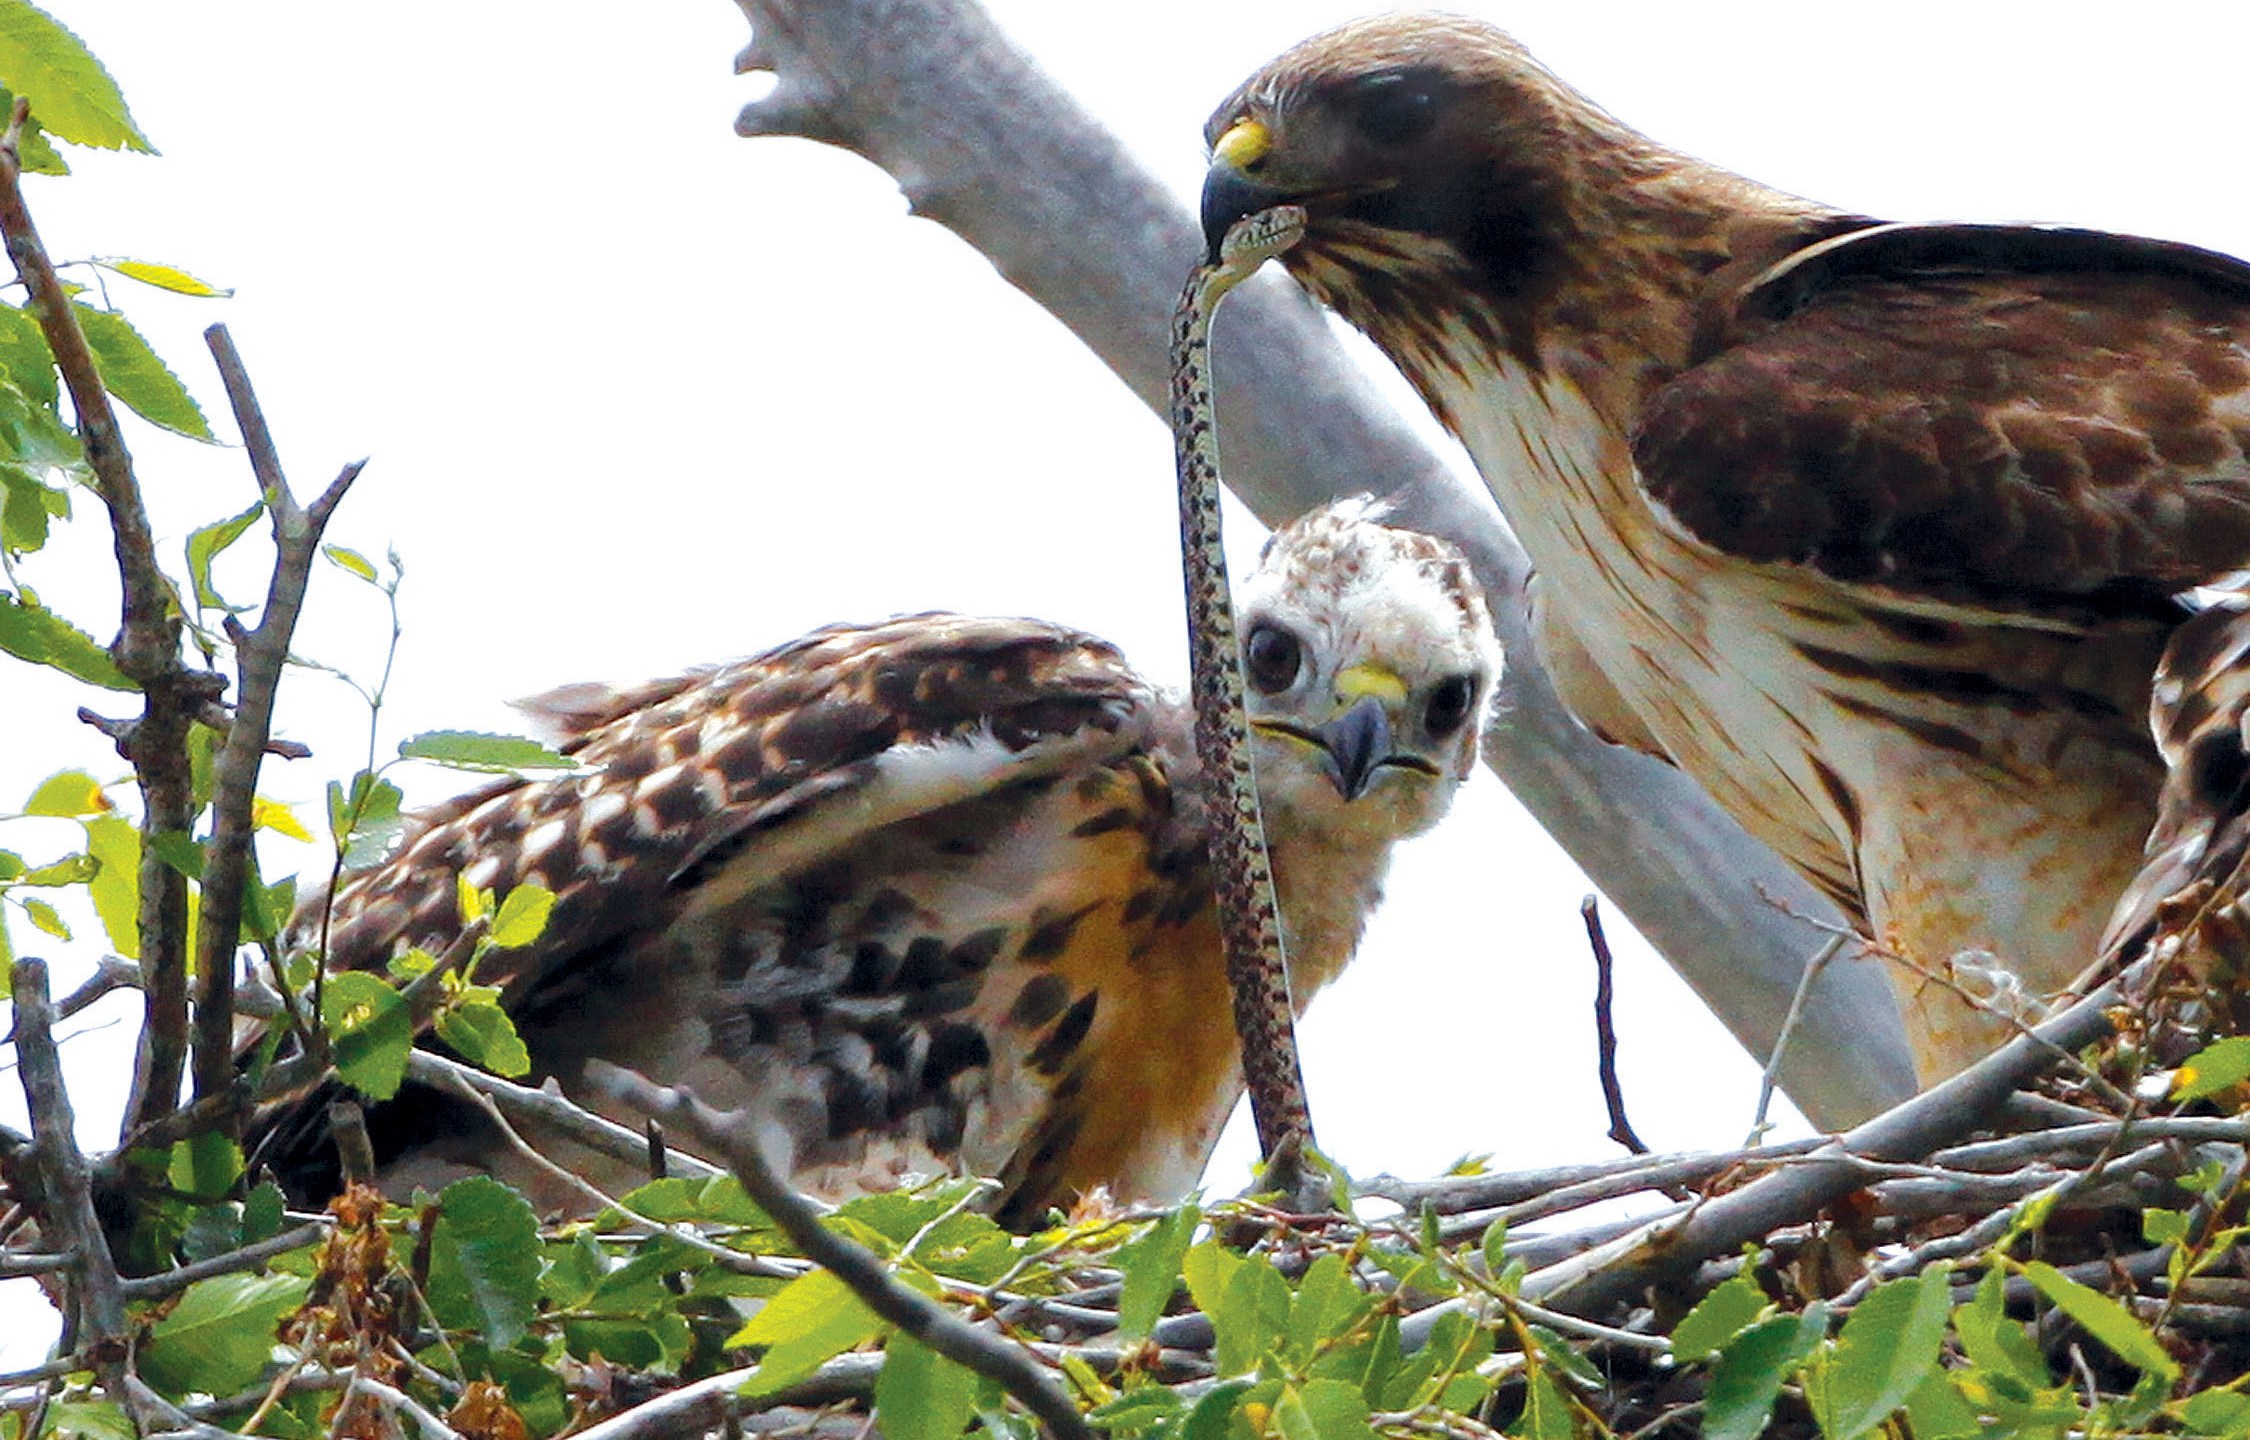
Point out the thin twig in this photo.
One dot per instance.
(597, 1133)
(730, 1137)
(249, 1257)
(393, 1399)
(260, 656)
(458, 1081)
(1771, 1078)
(54, 1369)
(111, 974)
(17, 1264)
(697, 1408)
(1605, 1028)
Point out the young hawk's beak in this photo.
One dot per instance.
(1357, 742)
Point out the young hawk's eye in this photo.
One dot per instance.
(1272, 658)
(1449, 705)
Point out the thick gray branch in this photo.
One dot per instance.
(987, 145)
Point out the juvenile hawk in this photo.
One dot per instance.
(1872, 529)
(931, 894)
(2195, 885)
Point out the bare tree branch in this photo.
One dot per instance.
(147, 651)
(1943, 1113)
(66, 1200)
(259, 657)
(983, 142)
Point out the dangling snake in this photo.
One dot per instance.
(1242, 874)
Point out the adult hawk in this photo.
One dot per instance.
(1874, 530)
(931, 894)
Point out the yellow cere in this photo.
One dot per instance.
(1243, 146)
(1358, 681)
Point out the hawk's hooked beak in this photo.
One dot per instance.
(1356, 742)
(1229, 191)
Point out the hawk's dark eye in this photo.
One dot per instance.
(1449, 705)
(1272, 657)
(1393, 110)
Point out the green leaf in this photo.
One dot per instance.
(131, 371)
(815, 1318)
(206, 1166)
(371, 1030)
(1747, 1379)
(1327, 1305)
(366, 821)
(1561, 1357)
(88, 1420)
(1252, 1318)
(205, 545)
(2104, 1319)
(56, 874)
(921, 1395)
(2164, 1227)
(1546, 1410)
(482, 752)
(181, 851)
(1323, 1410)
(350, 561)
(485, 1036)
(27, 505)
(1494, 1247)
(484, 1260)
(220, 1336)
(116, 886)
(68, 793)
(1151, 1267)
(1719, 1316)
(522, 917)
(1133, 1412)
(1207, 1419)
(46, 917)
(163, 277)
(2217, 1412)
(39, 635)
(1207, 1269)
(263, 1212)
(1995, 1343)
(1936, 1411)
(651, 1342)
(2213, 1068)
(23, 351)
(1888, 1345)
(69, 90)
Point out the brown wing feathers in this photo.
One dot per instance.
(1972, 413)
(677, 764)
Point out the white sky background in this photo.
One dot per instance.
(641, 395)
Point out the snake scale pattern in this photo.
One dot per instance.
(1249, 915)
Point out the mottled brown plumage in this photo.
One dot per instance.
(2190, 896)
(930, 894)
(1872, 529)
